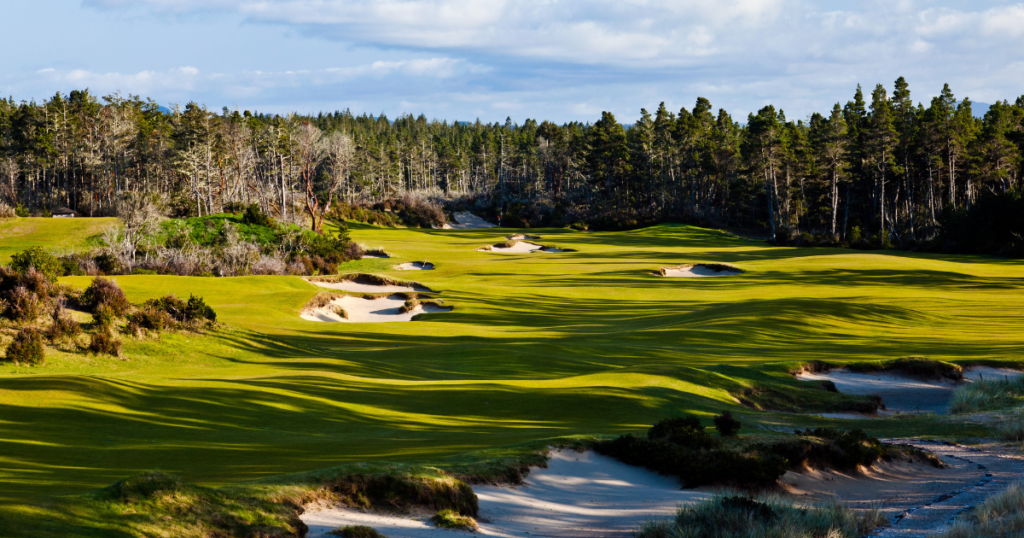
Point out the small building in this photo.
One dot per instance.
(64, 213)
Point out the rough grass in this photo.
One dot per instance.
(988, 395)
(449, 519)
(1001, 516)
(20, 234)
(539, 347)
(731, 515)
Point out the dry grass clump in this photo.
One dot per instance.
(1001, 516)
(988, 394)
(766, 516)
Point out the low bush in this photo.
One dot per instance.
(726, 425)
(105, 292)
(27, 348)
(449, 519)
(356, 531)
(22, 305)
(149, 319)
(105, 343)
(61, 325)
(768, 516)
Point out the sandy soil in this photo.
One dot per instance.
(361, 310)
(578, 495)
(901, 394)
(415, 266)
(356, 287)
(468, 221)
(696, 271)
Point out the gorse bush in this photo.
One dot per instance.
(27, 348)
(44, 262)
(105, 293)
(768, 516)
(61, 325)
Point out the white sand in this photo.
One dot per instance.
(578, 495)
(415, 266)
(355, 287)
(901, 393)
(368, 310)
(697, 271)
(468, 221)
(520, 247)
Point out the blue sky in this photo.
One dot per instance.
(488, 59)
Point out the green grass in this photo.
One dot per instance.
(539, 346)
(19, 234)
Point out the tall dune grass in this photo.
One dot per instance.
(988, 395)
(1000, 516)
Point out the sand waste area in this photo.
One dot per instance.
(579, 494)
(365, 285)
(464, 220)
(902, 393)
(368, 310)
(415, 266)
(700, 270)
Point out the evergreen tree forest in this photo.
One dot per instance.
(879, 170)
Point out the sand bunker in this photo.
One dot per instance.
(522, 247)
(468, 221)
(522, 237)
(415, 266)
(367, 284)
(902, 393)
(700, 270)
(579, 494)
(360, 310)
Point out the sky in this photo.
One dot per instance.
(490, 59)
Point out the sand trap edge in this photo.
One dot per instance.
(370, 279)
(727, 269)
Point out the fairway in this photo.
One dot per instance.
(539, 345)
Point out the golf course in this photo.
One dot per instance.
(589, 341)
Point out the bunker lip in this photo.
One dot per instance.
(367, 283)
(700, 270)
(349, 309)
(901, 393)
(522, 237)
(577, 494)
(521, 247)
(464, 220)
(415, 266)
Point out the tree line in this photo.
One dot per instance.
(878, 168)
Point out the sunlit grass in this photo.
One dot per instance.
(540, 345)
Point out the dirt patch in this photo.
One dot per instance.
(415, 266)
(700, 270)
(464, 220)
(367, 283)
(902, 393)
(579, 494)
(348, 309)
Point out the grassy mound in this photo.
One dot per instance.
(767, 516)
(449, 519)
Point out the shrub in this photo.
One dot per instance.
(22, 305)
(150, 319)
(104, 292)
(684, 431)
(197, 310)
(6, 211)
(44, 262)
(450, 519)
(21, 211)
(27, 347)
(108, 264)
(61, 325)
(254, 217)
(726, 425)
(356, 531)
(105, 343)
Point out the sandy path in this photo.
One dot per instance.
(355, 287)
(578, 495)
(469, 221)
(901, 393)
(361, 310)
(415, 266)
(697, 271)
(991, 469)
